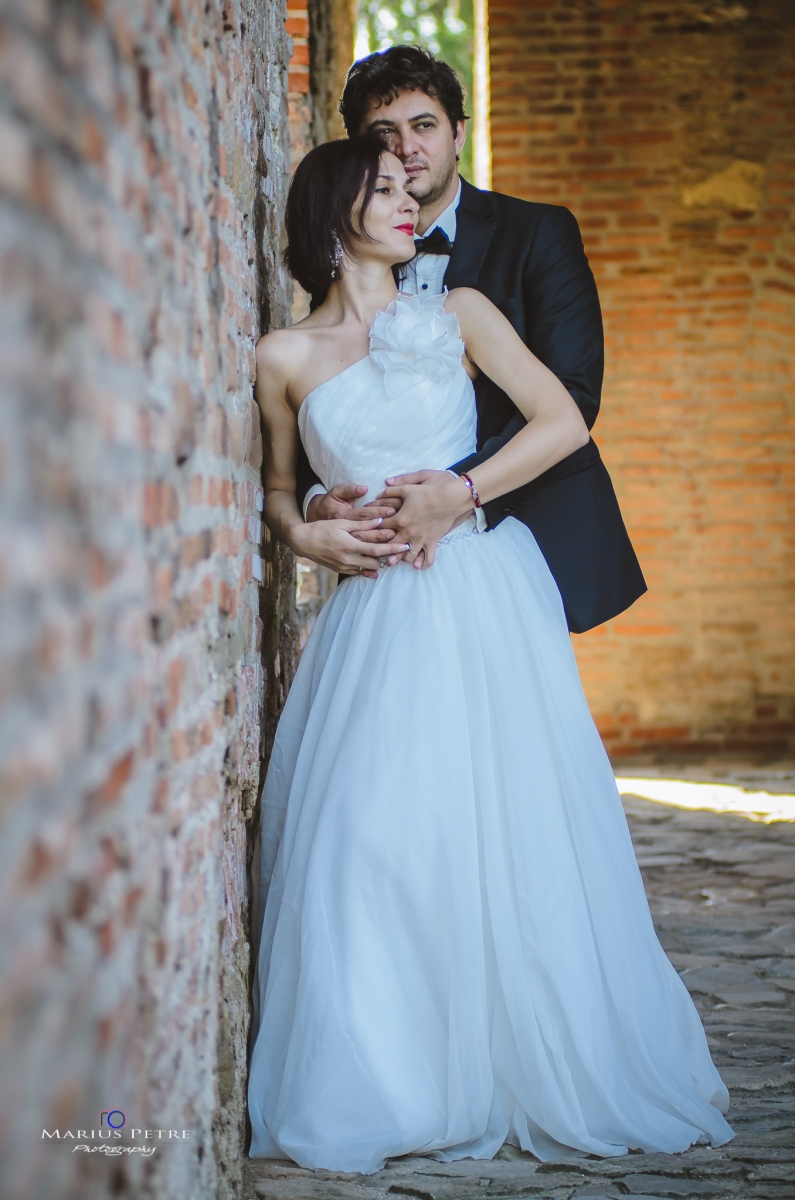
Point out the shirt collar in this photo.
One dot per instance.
(448, 220)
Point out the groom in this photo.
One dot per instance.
(528, 259)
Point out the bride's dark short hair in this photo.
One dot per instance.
(323, 192)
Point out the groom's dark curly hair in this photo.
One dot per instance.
(384, 75)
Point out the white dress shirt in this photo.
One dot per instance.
(424, 277)
(426, 272)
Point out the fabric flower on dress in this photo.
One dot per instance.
(415, 336)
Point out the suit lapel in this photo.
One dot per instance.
(475, 225)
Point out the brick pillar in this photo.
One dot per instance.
(300, 119)
(668, 130)
(143, 165)
(322, 51)
(331, 35)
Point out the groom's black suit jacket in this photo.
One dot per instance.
(529, 260)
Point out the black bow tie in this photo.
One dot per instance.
(435, 243)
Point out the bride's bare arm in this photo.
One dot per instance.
(555, 426)
(329, 543)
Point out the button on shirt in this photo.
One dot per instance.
(424, 276)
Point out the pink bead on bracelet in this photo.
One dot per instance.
(472, 488)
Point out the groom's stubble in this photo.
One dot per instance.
(437, 185)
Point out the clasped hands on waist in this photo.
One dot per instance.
(405, 521)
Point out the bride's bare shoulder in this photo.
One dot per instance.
(476, 313)
(470, 306)
(466, 299)
(281, 346)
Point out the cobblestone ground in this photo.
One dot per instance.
(722, 891)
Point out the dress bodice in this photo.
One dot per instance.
(409, 405)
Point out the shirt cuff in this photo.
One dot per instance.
(480, 516)
(316, 489)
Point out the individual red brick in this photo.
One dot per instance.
(227, 598)
(298, 80)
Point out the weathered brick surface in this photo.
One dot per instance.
(143, 162)
(620, 111)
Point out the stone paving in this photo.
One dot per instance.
(722, 891)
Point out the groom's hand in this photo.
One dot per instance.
(338, 504)
(431, 504)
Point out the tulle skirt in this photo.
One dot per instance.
(456, 949)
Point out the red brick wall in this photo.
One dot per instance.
(322, 34)
(300, 120)
(618, 110)
(143, 161)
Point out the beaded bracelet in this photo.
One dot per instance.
(472, 488)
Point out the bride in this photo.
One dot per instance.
(456, 949)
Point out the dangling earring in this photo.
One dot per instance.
(337, 257)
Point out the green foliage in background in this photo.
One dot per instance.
(442, 26)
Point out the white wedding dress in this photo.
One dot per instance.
(456, 949)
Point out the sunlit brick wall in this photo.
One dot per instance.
(669, 130)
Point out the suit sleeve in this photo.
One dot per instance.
(562, 318)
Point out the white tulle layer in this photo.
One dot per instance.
(456, 949)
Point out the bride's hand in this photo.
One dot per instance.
(431, 504)
(337, 544)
